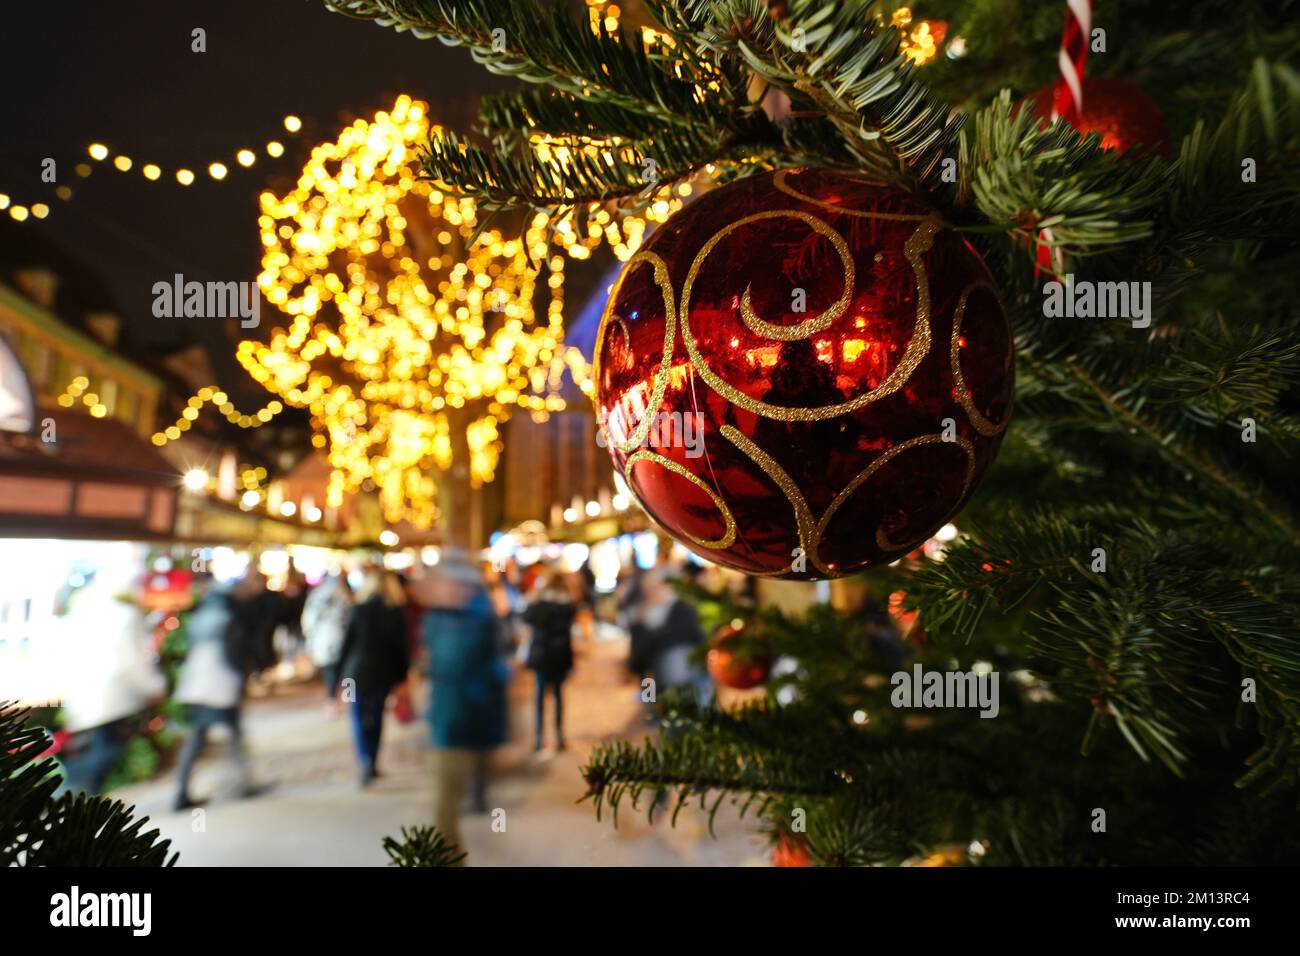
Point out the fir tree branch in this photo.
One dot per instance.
(1211, 198)
(422, 846)
(507, 177)
(74, 830)
(1191, 459)
(541, 44)
(27, 785)
(81, 830)
(835, 57)
(1034, 178)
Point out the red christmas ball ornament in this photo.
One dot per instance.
(728, 667)
(1119, 112)
(803, 374)
(791, 850)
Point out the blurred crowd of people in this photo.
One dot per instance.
(456, 625)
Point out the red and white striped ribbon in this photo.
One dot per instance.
(1067, 102)
(1067, 96)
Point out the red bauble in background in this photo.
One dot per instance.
(803, 374)
(1118, 111)
(909, 627)
(171, 590)
(791, 850)
(731, 669)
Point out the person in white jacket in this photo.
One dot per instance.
(113, 676)
(211, 684)
(325, 618)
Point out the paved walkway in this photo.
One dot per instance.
(316, 815)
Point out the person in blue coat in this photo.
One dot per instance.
(467, 686)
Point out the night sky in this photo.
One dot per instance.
(123, 74)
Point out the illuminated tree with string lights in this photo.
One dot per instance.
(412, 331)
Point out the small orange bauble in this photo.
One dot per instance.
(729, 669)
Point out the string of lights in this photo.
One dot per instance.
(99, 154)
(214, 396)
(76, 391)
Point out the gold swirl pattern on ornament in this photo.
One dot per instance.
(779, 182)
(807, 531)
(729, 535)
(665, 283)
(810, 534)
(883, 459)
(918, 347)
(982, 424)
(808, 327)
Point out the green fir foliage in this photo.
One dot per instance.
(422, 846)
(1165, 689)
(74, 830)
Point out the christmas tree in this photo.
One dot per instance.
(1129, 566)
(1142, 601)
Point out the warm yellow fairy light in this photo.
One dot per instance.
(402, 339)
(151, 171)
(917, 44)
(211, 395)
(621, 224)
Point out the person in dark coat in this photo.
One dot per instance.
(259, 611)
(467, 686)
(375, 659)
(550, 649)
(672, 632)
(628, 597)
(288, 615)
